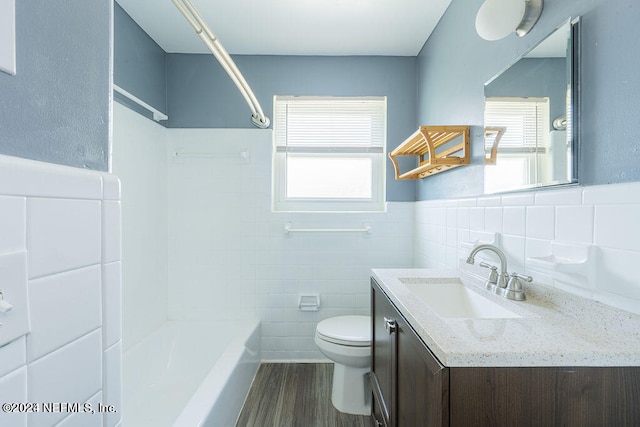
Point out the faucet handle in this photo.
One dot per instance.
(521, 277)
(493, 276)
(485, 265)
(524, 277)
(514, 282)
(514, 287)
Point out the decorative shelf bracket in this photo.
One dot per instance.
(438, 148)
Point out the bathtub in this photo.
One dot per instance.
(188, 374)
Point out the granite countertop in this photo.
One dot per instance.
(555, 328)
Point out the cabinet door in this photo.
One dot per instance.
(383, 351)
(423, 383)
(411, 387)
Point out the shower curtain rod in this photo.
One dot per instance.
(258, 118)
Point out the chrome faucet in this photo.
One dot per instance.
(500, 284)
(501, 280)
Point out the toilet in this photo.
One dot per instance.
(346, 340)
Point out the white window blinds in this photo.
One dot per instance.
(329, 153)
(322, 124)
(526, 120)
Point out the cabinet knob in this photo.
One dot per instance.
(390, 325)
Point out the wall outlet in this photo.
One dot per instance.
(8, 36)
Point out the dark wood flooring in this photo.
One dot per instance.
(294, 395)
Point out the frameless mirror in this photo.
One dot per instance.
(530, 120)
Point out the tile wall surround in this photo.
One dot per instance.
(566, 222)
(229, 255)
(139, 160)
(66, 222)
(231, 259)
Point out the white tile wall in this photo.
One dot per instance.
(230, 257)
(73, 299)
(140, 161)
(13, 224)
(112, 378)
(67, 221)
(70, 374)
(111, 297)
(82, 419)
(535, 224)
(51, 221)
(13, 355)
(13, 389)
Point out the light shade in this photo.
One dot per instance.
(497, 19)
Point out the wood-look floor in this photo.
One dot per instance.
(294, 395)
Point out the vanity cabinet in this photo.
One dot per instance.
(412, 388)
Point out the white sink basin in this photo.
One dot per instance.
(450, 299)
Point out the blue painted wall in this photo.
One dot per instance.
(200, 94)
(139, 64)
(57, 107)
(195, 92)
(534, 77)
(455, 63)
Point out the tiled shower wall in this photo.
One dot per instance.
(65, 223)
(139, 160)
(593, 232)
(230, 255)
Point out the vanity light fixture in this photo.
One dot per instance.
(496, 19)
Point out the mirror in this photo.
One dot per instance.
(529, 117)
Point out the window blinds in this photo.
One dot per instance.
(328, 124)
(526, 120)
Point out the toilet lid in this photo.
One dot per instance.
(346, 330)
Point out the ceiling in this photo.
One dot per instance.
(295, 27)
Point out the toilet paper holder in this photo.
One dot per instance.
(309, 302)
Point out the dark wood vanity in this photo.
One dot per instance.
(412, 388)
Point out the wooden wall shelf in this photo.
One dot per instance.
(438, 148)
(495, 133)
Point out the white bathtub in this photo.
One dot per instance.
(188, 374)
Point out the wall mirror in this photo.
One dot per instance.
(530, 117)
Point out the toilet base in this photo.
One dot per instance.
(351, 392)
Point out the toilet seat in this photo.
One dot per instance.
(353, 331)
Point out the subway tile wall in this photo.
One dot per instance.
(65, 224)
(230, 255)
(230, 258)
(601, 221)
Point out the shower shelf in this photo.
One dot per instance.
(438, 148)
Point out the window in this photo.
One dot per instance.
(526, 121)
(523, 153)
(329, 153)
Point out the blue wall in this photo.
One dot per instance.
(443, 85)
(535, 77)
(455, 63)
(139, 65)
(200, 94)
(57, 107)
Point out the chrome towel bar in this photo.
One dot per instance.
(288, 228)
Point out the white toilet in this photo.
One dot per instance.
(347, 341)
